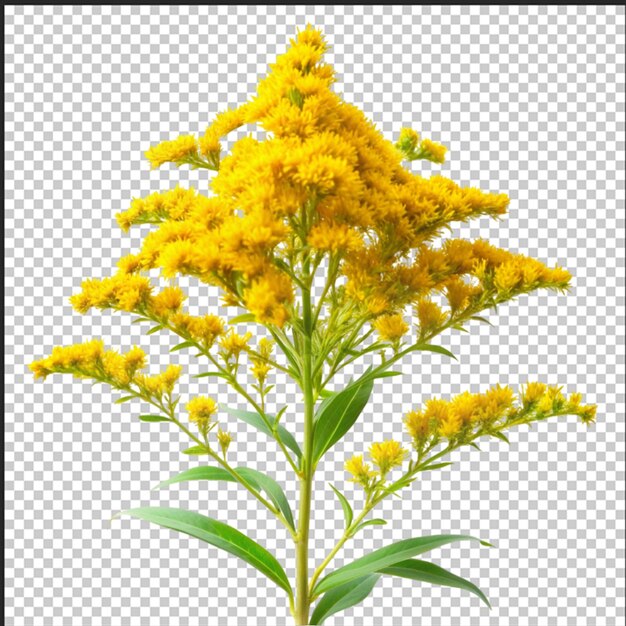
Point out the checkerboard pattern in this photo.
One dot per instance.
(530, 101)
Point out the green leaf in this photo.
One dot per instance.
(195, 450)
(243, 318)
(474, 445)
(431, 573)
(155, 329)
(385, 557)
(481, 319)
(500, 436)
(219, 374)
(219, 535)
(343, 597)
(256, 479)
(345, 505)
(369, 522)
(430, 348)
(436, 466)
(256, 421)
(184, 344)
(337, 414)
(153, 418)
(125, 399)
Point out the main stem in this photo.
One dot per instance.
(302, 545)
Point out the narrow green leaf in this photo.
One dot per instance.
(385, 557)
(184, 344)
(337, 415)
(431, 573)
(343, 597)
(271, 488)
(436, 466)
(500, 436)
(125, 399)
(474, 445)
(219, 535)
(155, 329)
(256, 479)
(243, 318)
(256, 421)
(369, 522)
(153, 418)
(140, 319)
(345, 505)
(196, 450)
(481, 319)
(438, 349)
(279, 415)
(218, 374)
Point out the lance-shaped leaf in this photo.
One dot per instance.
(386, 557)
(345, 505)
(219, 535)
(256, 421)
(338, 413)
(369, 522)
(431, 573)
(256, 479)
(343, 597)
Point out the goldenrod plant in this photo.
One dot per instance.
(317, 232)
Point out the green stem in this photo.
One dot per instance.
(302, 544)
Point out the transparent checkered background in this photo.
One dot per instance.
(530, 101)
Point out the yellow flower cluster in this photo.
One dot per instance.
(468, 415)
(260, 365)
(224, 439)
(324, 179)
(91, 360)
(411, 148)
(201, 412)
(391, 327)
(126, 292)
(176, 204)
(233, 344)
(172, 151)
(361, 472)
(385, 455)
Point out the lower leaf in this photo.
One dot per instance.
(343, 597)
(219, 535)
(433, 574)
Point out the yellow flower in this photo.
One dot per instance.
(387, 455)
(329, 237)
(172, 151)
(450, 427)
(391, 327)
(168, 301)
(361, 472)
(224, 440)
(233, 344)
(135, 359)
(588, 413)
(430, 316)
(408, 140)
(432, 151)
(260, 371)
(268, 296)
(532, 392)
(417, 424)
(201, 411)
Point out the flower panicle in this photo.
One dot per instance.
(469, 415)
